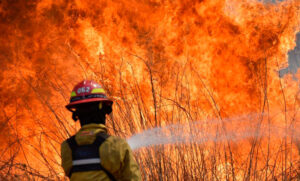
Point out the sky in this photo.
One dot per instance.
(293, 60)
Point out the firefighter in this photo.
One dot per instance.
(91, 154)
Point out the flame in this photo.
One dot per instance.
(163, 62)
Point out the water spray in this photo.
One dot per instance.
(203, 131)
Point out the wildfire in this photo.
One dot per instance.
(163, 63)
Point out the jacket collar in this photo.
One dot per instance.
(102, 127)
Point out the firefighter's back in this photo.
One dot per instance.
(115, 157)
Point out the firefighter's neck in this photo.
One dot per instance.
(96, 118)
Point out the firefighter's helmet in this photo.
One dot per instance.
(87, 91)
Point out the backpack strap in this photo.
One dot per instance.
(72, 142)
(100, 138)
(86, 157)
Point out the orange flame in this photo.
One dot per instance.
(163, 62)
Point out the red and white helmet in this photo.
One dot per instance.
(87, 91)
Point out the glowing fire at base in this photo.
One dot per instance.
(164, 63)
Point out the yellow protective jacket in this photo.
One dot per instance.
(115, 154)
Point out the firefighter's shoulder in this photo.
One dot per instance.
(66, 157)
(113, 152)
(114, 144)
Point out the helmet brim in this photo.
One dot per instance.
(76, 103)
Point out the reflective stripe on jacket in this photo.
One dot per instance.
(116, 157)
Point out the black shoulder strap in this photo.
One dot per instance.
(100, 138)
(72, 143)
